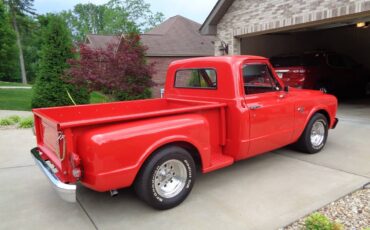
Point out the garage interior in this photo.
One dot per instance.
(343, 37)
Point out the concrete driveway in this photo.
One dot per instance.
(266, 192)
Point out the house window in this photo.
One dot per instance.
(196, 78)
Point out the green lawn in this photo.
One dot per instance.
(96, 97)
(15, 99)
(20, 99)
(3, 83)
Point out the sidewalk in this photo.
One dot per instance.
(7, 113)
(15, 87)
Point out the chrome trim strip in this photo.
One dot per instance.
(66, 191)
(282, 71)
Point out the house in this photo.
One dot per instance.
(270, 28)
(174, 39)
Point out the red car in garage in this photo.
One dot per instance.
(336, 73)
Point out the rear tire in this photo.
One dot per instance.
(313, 138)
(166, 179)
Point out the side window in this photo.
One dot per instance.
(258, 79)
(196, 78)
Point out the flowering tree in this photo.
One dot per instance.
(120, 70)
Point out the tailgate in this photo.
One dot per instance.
(52, 144)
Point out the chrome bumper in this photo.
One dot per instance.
(66, 191)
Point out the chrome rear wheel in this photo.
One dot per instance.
(170, 178)
(166, 178)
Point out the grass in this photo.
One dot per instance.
(15, 99)
(20, 99)
(3, 83)
(23, 123)
(15, 118)
(97, 97)
(6, 122)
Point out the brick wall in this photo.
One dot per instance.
(246, 17)
(161, 65)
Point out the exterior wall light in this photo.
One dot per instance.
(362, 24)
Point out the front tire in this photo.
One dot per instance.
(167, 178)
(313, 138)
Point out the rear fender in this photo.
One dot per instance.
(204, 153)
(113, 155)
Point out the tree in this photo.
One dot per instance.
(8, 48)
(18, 8)
(138, 12)
(115, 17)
(120, 72)
(50, 89)
(31, 44)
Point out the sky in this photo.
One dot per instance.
(196, 10)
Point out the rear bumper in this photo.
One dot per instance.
(66, 191)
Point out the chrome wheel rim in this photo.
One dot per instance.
(318, 133)
(170, 178)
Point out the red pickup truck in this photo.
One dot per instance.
(215, 111)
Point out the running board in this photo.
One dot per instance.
(218, 161)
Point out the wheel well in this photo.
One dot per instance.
(326, 114)
(186, 145)
(192, 150)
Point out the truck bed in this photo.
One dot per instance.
(73, 116)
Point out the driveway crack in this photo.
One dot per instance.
(337, 169)
(87, 214)
(19, 166)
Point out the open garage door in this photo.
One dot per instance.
(345, 45)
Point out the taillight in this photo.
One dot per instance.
(75, 160)
(77, 173)
(76, 163)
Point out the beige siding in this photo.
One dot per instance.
(247, 17)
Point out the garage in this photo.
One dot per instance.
(345, 39)
(332, 28)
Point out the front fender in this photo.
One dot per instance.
(325, 102)
(329, 105)
(112, 155)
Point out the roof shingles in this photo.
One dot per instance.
(177, 36)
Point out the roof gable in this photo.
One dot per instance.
(209, 26)
(175, 37)
(102, 41)
(178, 36)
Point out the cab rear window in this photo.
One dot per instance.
(196, 78)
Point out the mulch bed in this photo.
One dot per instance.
(352, 211)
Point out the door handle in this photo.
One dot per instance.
(254, 107)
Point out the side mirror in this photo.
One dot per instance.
(286, 88)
